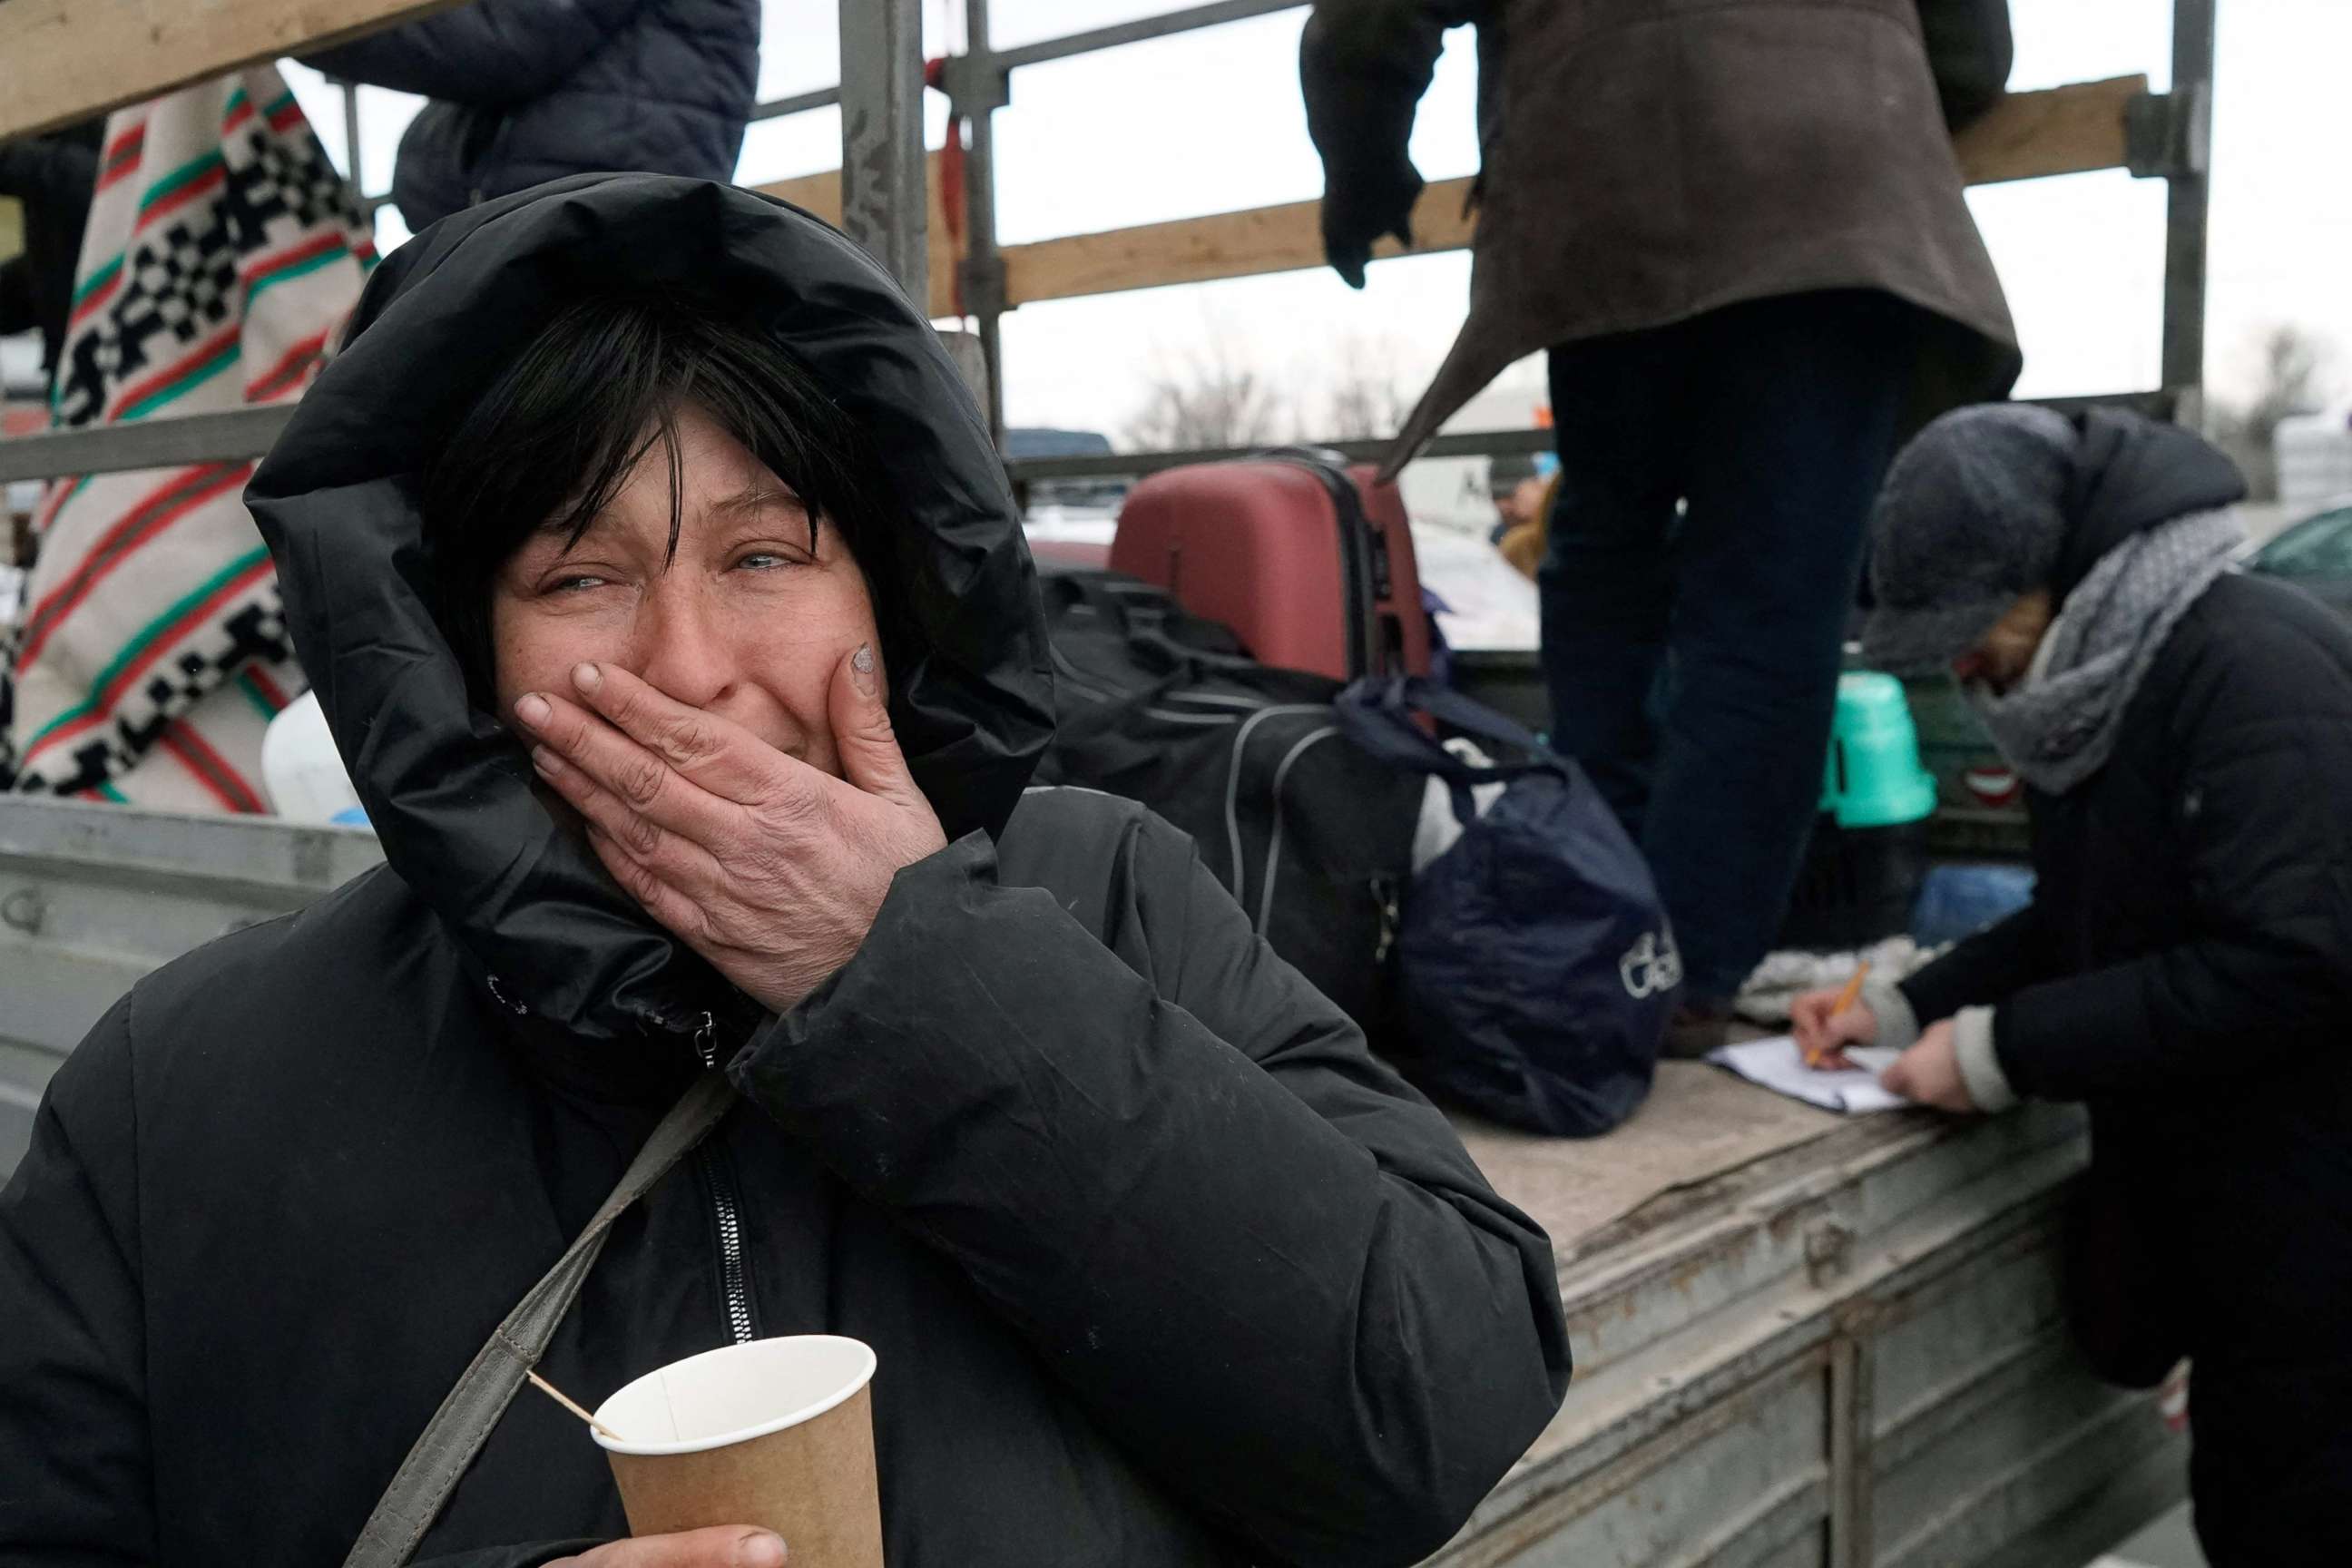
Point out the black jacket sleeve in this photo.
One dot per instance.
(2269, 859)
(1988, 967)
(491, 52)
(1362, 68)
(1970, 50)
(1266, 1267)
(74, 1461)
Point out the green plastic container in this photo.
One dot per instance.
(1872, 776)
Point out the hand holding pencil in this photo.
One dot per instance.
(1826, 1022)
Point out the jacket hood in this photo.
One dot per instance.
(447, 788)
(2130, 473)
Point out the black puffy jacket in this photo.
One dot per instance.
(1160, 1266)
(2186, 968)
(529, 90)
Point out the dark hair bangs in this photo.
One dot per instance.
(557, 435)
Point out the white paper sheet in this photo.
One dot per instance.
(1777, 1065)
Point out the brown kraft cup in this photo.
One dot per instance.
(777, 1433)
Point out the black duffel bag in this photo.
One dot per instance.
(1312, 837)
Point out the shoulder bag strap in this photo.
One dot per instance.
(463, 1423)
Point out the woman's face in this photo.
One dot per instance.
(2000, 660)
(746, 620)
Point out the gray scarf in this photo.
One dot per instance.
(2057, 728)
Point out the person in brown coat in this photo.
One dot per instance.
(1738, 228)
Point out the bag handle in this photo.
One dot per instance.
(459, 1428)
(1090, 587)
(1377, 713)
(1150, 621)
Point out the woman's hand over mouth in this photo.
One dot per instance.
(770, 869)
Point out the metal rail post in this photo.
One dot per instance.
(884, 204)
(2187, 203)
(979, 82)
(351, 177)
(978, 87)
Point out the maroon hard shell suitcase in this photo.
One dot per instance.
(1311, 566)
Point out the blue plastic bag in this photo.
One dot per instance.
(1538, 967)
(1958, 901)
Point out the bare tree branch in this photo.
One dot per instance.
(1213, 400)
(1367, 400)
(2293, 365)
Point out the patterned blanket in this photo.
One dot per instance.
(223, 253)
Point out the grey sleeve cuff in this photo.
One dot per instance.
(1979, 1067)
(1898, 1026)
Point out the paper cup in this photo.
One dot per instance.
(777, 1433)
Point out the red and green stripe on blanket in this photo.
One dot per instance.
(223, 253)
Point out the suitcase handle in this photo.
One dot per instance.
(1363, 567)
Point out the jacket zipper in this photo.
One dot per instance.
(734, 1284)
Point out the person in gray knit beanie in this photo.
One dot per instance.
(1970, 520)
(2002, 553)
(2186, 961)
(2184, 970)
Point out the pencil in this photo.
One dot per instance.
(1852, 992)
(1846, 1000)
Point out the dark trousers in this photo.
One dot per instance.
(1715, 478)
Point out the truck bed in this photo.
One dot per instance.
(1800, 1337)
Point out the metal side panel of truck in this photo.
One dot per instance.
(1846, 1354)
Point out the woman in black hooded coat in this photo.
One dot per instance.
(1160, 1265)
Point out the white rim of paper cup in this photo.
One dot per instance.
(795, 1417)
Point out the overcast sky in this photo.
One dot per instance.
(1211, 121)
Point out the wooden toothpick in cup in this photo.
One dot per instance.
(560, 1397)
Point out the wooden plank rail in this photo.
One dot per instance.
(63, 60)
(2071, 129)
(2063, 131)
(2030, 135)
